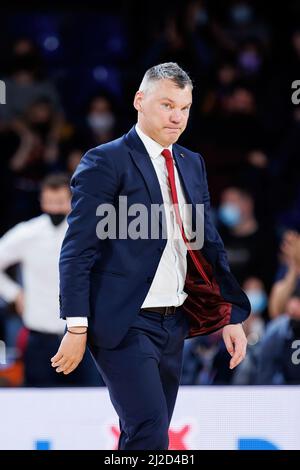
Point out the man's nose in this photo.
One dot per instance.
(176, 116)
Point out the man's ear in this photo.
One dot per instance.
(137, 102)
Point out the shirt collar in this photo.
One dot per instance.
(153, 148)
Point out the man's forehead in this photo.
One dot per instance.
(55, 192)
(167, 90)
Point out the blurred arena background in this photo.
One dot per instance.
(70, 71)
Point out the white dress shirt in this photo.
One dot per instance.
(168, 283)
(36, 245)
(167, 288)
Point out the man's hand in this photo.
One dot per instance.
(290, 250)
(71, 351)
(236, 343)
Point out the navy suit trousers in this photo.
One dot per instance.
(142, 375)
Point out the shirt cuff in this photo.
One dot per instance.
(76, 321)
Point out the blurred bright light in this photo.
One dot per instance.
(51, 43)
(100, 73)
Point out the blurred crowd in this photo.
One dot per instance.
(67, 92)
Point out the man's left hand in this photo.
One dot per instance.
(236, 343)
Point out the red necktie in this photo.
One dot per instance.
(171, 177)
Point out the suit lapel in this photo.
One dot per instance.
(143, 162)
(146, 168)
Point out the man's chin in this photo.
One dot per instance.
(174, 140)
(171, 139)
(168, 139)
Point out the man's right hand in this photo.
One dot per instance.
(71, 351)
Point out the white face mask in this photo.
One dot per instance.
(230, 214)
(101, 122)
(258, 300)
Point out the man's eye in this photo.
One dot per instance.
(166, 105)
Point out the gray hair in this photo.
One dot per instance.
(169, 71)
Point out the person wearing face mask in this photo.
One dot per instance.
(254, 327)
(251, 248)
(100, 121)
(35, 245)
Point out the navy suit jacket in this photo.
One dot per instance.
(108, 280)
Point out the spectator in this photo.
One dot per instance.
(100, 122)
(277, 363)
(290, 280)
(230, 129)
(32, 153)
(205, 361)
(36, 245)
(250, 246)
(25, 83)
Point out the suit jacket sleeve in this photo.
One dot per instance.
(95, 182)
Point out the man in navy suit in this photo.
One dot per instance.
(132, 293)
